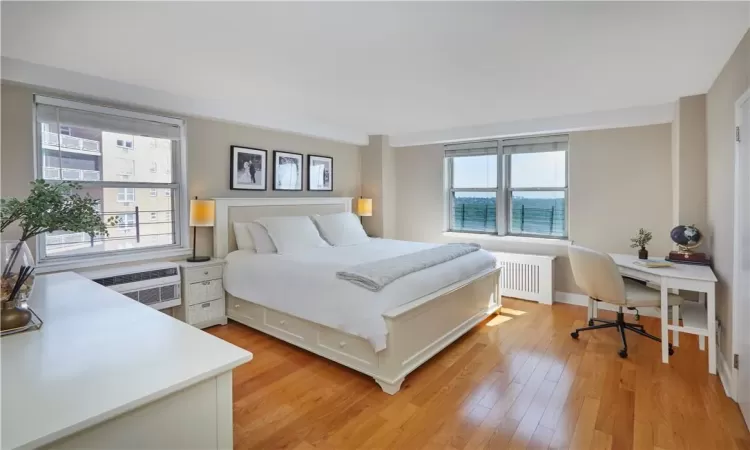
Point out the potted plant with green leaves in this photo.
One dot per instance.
(48, 208)
(640, 241)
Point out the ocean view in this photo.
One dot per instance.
(545, 216)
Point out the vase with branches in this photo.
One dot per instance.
(640, 241)
(48, 208)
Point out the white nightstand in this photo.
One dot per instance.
(203, 303)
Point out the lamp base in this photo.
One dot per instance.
(195, 259)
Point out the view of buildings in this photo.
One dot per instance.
(144, 215)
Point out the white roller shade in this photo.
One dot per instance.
(536, 144)
(471, 148)
(149, 126)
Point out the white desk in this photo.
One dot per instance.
(696, 318)
(107, 372)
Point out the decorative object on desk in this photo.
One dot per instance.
(687, 238)
(653, 263)
(287, 171)
(319, 173)
(48, 208)
(247, 168)
(364, 207)
(202, 214)
(641, 240)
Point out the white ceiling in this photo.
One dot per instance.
(343, 70)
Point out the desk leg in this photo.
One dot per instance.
(664, 324)
(711, 315)
(702, 339)
(676, 322)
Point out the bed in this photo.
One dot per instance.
(386, 334)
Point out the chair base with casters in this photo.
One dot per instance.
(621, 326)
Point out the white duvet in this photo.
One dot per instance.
(305, 285)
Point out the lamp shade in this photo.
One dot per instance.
(364, 207)
(201, 213)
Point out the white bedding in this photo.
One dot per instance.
(305, 285)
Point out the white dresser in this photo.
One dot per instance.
(203, 303)
(107, 372)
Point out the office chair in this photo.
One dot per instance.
(597, 275)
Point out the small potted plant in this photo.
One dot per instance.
(640, 241)
(48, 208)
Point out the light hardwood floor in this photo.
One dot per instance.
(517, 380)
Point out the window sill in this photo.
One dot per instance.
(518, 239)
(99, 260)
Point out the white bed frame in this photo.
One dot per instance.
(416, 331)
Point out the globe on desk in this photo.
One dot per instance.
(687, 238)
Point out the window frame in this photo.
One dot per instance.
(178, 188)
(451, 201)
(504, 191)
(125, 143)
(127, 195)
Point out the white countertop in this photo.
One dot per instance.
(687, 271)
(98, 355)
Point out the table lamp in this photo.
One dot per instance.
(364, 207)
(201, 215)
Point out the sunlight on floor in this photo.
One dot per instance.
(497, 320)
(512, 312)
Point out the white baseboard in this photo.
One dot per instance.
(725, 374)
(583, 300)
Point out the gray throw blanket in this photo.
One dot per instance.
(376, 275)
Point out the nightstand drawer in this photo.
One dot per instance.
(202, 274)
(204, 291)
(206, 311)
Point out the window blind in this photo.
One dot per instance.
(471, 148)
(70, 116)
(536, 144)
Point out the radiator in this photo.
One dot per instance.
(528, 277)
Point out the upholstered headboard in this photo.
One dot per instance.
(230, 210)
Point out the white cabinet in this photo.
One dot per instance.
(203, 302)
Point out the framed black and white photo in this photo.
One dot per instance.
(287, 171)
(319, 173)
(247, 168)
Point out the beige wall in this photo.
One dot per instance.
(689, 162)
(208, 163)
(208, 154)
(620, 180)
(731, 83)
(378, 183)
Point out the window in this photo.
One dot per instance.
(510, 187)
(125, 195)
(125, 143)
(66, 131)
(124, 166)
(115, 183)
(125, 220)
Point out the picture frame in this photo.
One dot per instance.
(248, 168)
(287, 171)
(319, 173)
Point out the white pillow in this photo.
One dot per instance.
(341, 229)
(292, 234)
(243, 237)
(261, 240)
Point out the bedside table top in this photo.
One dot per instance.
(211, 262)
